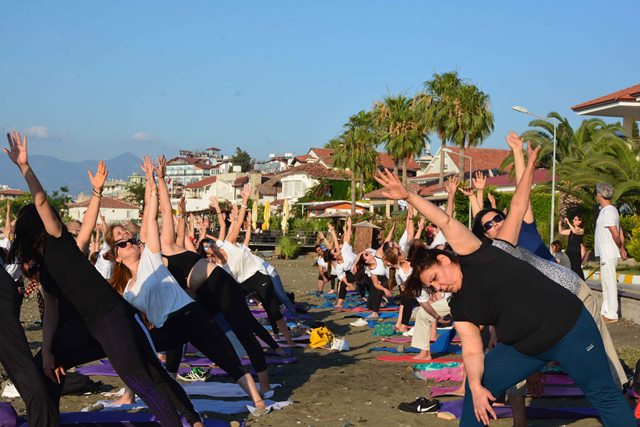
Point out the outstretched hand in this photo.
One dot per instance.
(514, 141)
(161, 168)
(17, 151)
(451, 185)
(97, 181)
(482, 399)
(213, 202)
(393, 188)
(182, 206)
(532, 153)
(246, 193)
(147, 167)
(479, 180)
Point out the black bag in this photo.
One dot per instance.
(77, 384)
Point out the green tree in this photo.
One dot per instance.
(135, 194)
(242, 159)
(357, 150)
(444, 109)
(401, 128)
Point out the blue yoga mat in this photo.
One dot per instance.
(124, 418)
(455, 407)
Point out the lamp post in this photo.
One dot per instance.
(553, 164)
(448, 150)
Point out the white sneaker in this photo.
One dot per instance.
(359, 322)
(409, 333)
(196, 374)
(10, 391)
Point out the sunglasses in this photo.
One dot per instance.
(123, 244)
(489, 224)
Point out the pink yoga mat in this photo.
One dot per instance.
(440, 375)
(363, 309)
(410, 359)
(443, 391)
(397, 340)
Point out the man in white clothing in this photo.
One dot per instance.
(608, 246)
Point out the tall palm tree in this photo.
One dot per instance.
(401, 129)
(444, 113)
(356, 150)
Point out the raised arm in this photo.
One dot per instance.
(479, 183)
(247, 236)
(563, 231)
(182, 222)
(234, 230)
(450, 187)
(151, 211)
(516, 145)
(147, 168)
(410, 226)
(420, 229)
(91, 215)
(347, 232)
(222, 224)
(17, 153)
(461, 239)
(7, 222)
(167, 232)
(520, 201)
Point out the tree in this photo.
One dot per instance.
(401, 129)
(356, 150)
(242, 159)
(135, 194)
(444, 110)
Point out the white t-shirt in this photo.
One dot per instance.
(402, 276)
(438, 239)
(155, 291)
(242, 264)
(13, 269)
(378, 270)
(348, 258)
(424, 296)
(604, 245)
(404, 242)
(104, 266)
(321, 263)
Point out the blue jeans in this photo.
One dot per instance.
(580, 353)
(281, 294)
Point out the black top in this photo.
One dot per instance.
(180, 265)
(221, 291)
(529, 311)
(69, 275)
(574, 242)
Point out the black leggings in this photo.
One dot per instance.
(375, 294)
(222, 291)
(262, 285)
(408, 304)
(17, 360)
(191, 324)
(121, 338)
(342, 286)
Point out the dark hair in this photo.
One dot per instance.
(327, 256)
(391, 256)
(200, 249)
(415, 245)
(557, 244)
(28, 242)
(422, 259)
(94, 257)
(478, 226)
(361, 272)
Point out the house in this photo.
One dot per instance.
(185, 170)
(114, 211)
(115, 188)
(624, 103)
(324, 157)
(333, 208)
(224, 187)
(7, 193)
(297, 180)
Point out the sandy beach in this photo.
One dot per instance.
(347, 388)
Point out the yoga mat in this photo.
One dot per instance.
(442, 343)
(8, 415)
(217, 389)
(443, 391)
(203, 361)
(439, 375)
(437, 364)
(106, 370)
(557, 379)
(455, 407)
(304, 337)
(397, 340)
(123, 418)
(283, 345)
(227, 407)
(410, 359)
(289, 324)
(548, 391)
(395, 349)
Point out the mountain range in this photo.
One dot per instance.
(55, 173)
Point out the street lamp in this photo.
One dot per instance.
(449, 150)
(553, 164)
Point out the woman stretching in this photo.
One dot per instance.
(481, 280)
(41, 238)
(143, 280)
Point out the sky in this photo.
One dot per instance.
(92, 80)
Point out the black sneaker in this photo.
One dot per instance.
(421, 405)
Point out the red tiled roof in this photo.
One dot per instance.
(386, 161)
(105, 203)
(315, 170)
(202, 183)
(328, 205)
(324, 154)
(483, 158)
(240, 181)
(628, 94)
(198, 163)
(270, 186)
(12, 192)
(302, 159)
(377, 194)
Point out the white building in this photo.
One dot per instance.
(114, 210)
(116, 189)
(183, 171)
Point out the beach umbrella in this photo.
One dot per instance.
(285, 216)
(267, 215)
(254, 215)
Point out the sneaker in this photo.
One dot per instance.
(421, 405)
(10, 391)
(409, 333)
(196, 374)
(360, 322)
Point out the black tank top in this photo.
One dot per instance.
(70, 275)
(574, 242)
(529, 311)
(180, 265)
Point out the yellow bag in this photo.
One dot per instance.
(320, 337)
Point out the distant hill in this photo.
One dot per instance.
(55, 173)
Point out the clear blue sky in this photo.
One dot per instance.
(95, 79)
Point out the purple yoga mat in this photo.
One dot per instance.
(8, 416)
(203, 361)
(549, 391)
(124, 418)
(558, 379)
(455, 407)
(104, 369)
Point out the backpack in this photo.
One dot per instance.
(320, 337)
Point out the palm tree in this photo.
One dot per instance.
(401, 129)
(356, 150)
(444, 112)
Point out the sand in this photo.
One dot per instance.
(341, 389)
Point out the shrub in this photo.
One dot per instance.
(289, 248)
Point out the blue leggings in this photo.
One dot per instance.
(580, 353)
(281, 294)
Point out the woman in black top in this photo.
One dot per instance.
(574, 244)
(536, 322)
(41, 237)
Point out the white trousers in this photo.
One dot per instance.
(609, 281)
(422, 330)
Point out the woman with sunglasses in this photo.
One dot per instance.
(102, 322)
(481, 280)
(140, 276)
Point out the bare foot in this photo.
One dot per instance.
(423, 356)
(458, 392)
(401, 327)
(125, 400)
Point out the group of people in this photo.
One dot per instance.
(134, 297)
(498, 276)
